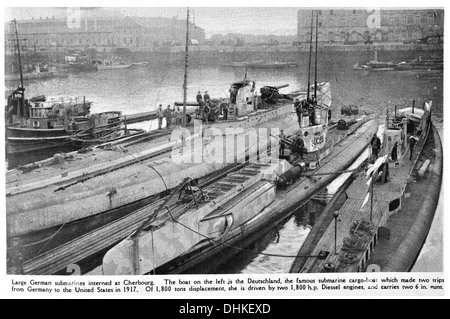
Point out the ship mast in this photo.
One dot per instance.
(310, 50)
(315, 60)
(185, 69)
(18, 53)
(21, 89)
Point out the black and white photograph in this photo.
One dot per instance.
(220, 149)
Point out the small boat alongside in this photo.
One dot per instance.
(50, 122)
(389, 209)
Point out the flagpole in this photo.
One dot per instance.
(185, 70)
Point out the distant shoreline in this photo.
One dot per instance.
(387, 46)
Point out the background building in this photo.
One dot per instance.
(92, 32)
(362, 26)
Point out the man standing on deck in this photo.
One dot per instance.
(225, 111)
(168, 116)
(282, 143)
(199, 99)
(206, 98)
(298, 145)
(206, 110)
(233, 94)
(178, 113)
(412, 143)
(298, 109)
(376, 145)
(160, 115)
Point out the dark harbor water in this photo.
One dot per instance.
(142, 89)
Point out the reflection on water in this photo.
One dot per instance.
(142, 89)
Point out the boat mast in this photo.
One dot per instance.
(185, 69)
(21, 89)
(310, 50)
(315, 59)
(18, 53)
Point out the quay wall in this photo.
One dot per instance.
(218, 55)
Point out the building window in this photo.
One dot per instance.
(417, 19)
(320, 12)
(430, 19)
(354, 11)
(391, 21)
(410, 19)
(417, 34)
(331, 12)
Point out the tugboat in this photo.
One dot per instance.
(43, 123)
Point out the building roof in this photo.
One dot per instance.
(157, 22)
